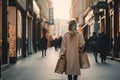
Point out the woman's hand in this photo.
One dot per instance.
(62, 56)
(81, 49)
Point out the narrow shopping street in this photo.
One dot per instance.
(34, 67)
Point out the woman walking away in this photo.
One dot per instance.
(72, 40)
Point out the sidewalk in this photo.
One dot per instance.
(36, 67)
(112, 58)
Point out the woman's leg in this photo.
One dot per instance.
(42, 53)
(75, 77)
(69, 77)
(45, 52)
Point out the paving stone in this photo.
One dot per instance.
(35, 67)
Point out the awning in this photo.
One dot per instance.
(22, 3)
(44, 5)
(36, 9)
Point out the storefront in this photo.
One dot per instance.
(109, 22)
(29, 26)
(21, 29)
(116, 17)
(12, 33)
(88, 27)
(15, 34)
(36, 16)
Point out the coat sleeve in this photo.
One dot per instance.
(63, 46)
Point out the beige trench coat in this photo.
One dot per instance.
(69, 48)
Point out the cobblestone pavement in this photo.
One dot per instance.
(34, 67)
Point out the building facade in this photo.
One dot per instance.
(20, 29)
(98, 16)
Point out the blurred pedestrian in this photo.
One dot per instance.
(71, 41)
(44, 43)
(59, 41)
(93, 42)
(56, 44)
(103, 47)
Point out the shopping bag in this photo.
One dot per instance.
(60, 66)
(84, 60)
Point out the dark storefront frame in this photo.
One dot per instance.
(4, 60)
(0, 36)
(22, 41)
(4, 33)
(116, 26)
(34, 33)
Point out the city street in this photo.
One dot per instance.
(28, 26)
(35, 67)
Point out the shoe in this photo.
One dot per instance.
(104, 61)
(45, 54)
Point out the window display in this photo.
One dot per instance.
(12, 40)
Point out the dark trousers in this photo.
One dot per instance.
(95, 55)
(74, 77)
(103, 56)
(43, 52)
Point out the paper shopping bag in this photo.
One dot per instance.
(84, 61)
(60, 66)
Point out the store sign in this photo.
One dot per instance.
(101, 5)
(22, 3)
(51, 19)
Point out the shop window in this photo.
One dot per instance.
(12, 31)
(12, 40)
(19, 33)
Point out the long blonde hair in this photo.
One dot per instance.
(72, 27)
